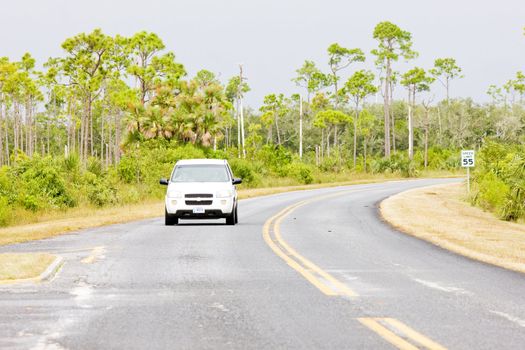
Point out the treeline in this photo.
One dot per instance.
(96, 119)
(107, 93)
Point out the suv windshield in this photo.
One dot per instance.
(200, 173)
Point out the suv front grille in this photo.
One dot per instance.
(199, 195)
(203, 202)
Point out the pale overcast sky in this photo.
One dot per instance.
(272, 38)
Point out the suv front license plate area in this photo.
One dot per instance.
(198, 210)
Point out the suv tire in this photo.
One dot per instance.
(170, 220)
(232, 218)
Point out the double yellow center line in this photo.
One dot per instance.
(395, 332)
(321, 279)
(399, 334)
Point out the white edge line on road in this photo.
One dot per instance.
(511, 318)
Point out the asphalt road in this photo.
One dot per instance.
(304, 270)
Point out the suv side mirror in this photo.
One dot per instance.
(163, 182)
(237, 181)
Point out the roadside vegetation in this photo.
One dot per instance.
(499, 180)
(98, 126)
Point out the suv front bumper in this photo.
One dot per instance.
(219, 207)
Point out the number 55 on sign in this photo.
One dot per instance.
(467, 159)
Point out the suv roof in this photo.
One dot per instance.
(201, 161)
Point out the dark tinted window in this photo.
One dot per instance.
(200, 173)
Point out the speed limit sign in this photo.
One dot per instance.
(468, 159)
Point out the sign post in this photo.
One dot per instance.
(468, 160)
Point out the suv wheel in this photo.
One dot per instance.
(232, 218)
(170, 220)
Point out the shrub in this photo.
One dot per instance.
(330, 164)
(30, 202)
(301, 172)
(94, 165)
(492, 192)
(397, 163)
(5, 211)
(500, 180)
(242, 168)
(514, 206)
(42, 181)
(128, 195)
(71, 163)
(101, 193)
(128, 170)
(7, 188)
(274, 157)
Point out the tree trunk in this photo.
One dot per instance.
(48, 135)
(6, 128)
(386, 109)
(393, 120)
(1, 132)
(300, 127)
(117, 136)
(242, 129)
(238, 129)
(328, 143)
(392, 117)
(335, 136)
(364, 154)
(322, 144)
(90, 119)
(16, 129)
(426, 135)
(448, 96)
(411, 102)
(277, 129)
(355, 131)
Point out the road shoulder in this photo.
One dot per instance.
(440, 215)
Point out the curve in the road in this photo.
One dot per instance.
(321, 279)
(390, 329)
(207, 285)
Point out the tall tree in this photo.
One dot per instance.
(148, 67)
(446, 69)
(367, 125)
(274, 109)
(86, 66)
(415, 80)
(393, 43)
(7, 69)
(235, 90)
(340, 58)
(359, 86)
(329, 119)
(311, 78)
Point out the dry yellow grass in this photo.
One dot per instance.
(440, 215)
(79, 219)
(83, 218)
(14, 266)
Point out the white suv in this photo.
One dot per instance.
(201, 189)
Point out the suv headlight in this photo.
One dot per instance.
(223, 194)
(174, 194)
